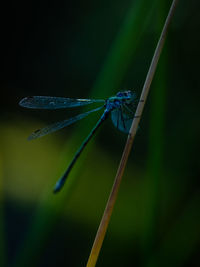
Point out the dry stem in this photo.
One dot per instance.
(113, 195)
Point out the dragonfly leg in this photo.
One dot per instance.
(122, 118)
(118, 121)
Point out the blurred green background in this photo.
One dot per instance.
(94, 49)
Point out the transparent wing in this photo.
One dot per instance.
(122, 117)
(59, 125)
(50, 102)
(121, 120)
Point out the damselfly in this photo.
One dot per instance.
(120, 106)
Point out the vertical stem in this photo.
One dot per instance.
(113, 195)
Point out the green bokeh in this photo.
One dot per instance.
(94, 49)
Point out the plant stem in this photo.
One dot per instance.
(113, 195)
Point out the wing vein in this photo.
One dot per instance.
(50, 102)
(59, 125)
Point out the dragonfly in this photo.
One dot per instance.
(120, 107)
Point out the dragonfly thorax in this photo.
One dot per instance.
(117, 101)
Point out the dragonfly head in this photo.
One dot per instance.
(125, 95)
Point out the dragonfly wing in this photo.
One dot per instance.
(59, 125)
(121, 120)
(50, 102)
(122, 117)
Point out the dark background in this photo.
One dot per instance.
(94, 49)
